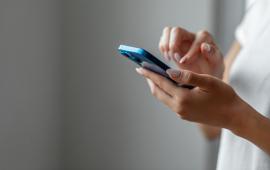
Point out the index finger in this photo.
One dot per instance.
(193, 53)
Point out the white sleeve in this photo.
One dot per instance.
(242, 31)
(255, 10)
(241, 34)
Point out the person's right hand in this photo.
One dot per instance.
(195, 52)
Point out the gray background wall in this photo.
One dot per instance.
(69, 101)
(228, 15)
(30, 84)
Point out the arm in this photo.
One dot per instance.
(176, 42)
(212, 102)
(211, 132)
(253, 126)
(229, 59)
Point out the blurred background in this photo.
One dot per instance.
(69, 101)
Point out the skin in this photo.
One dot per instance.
(199, 51)
(176, 42)
(212, 103)
(212, 132)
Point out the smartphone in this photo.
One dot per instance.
(146, 60)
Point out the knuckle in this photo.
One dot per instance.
(166, 46)
(180, 111)
(203, 33)
(167, 28)
(185, 116)
(181, 106)
(211, 83)
(172, 46)
(163, 45)
(175, 30)
(160, 46)
(187, 77)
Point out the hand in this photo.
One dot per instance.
(199, 52)
(211, 102)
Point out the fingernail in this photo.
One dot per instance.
(183, 60)
(177, 57)
(174, 73)
(139, 70)
(207, 47)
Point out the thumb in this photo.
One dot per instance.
(191, 78)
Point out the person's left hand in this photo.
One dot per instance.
(211, 102)
(199, 51)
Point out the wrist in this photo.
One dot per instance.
(245, 119)
(253, 127)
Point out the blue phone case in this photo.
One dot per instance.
(146, 60)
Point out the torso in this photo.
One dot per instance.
(250, 77)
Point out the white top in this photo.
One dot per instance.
(250, 77)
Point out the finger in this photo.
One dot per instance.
(187, 77)
(175, 41)
(165, 84)
(159, 93)
(193, 53)
(177, 58)
(164, 42)
(211, 53)
(179, 39)
(207, 51)
(162, 49)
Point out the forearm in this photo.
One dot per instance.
(229, 59)
(254, 127)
